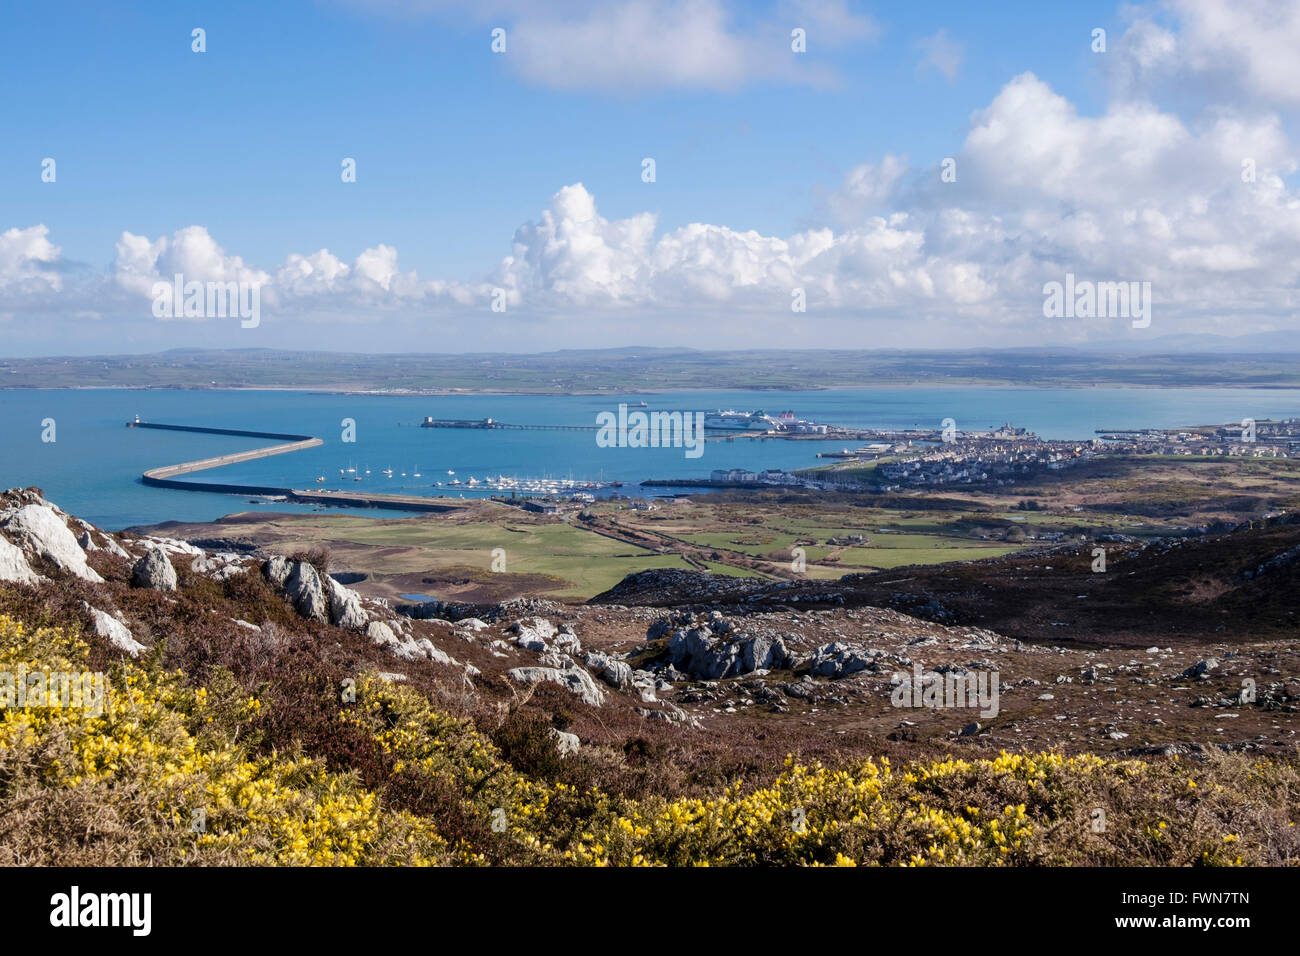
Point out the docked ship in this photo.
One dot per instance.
(733, 421)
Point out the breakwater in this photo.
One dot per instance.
(166, 476)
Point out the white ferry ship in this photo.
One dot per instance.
(734, 421)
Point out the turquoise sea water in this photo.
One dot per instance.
(94, 466)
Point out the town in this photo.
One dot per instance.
(920, 458)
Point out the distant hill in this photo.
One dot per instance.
(1268, 360)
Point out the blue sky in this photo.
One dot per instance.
(457, 147)
(453, 149)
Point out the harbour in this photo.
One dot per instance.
(99, 474)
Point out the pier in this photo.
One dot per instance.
(166, 475)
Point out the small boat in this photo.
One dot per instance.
(417, 474)
(320, 480)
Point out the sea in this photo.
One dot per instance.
(93, 464)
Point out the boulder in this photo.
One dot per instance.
(114, 631)
(304, 588)
(380, 633)
(113, 548)
(345, 607)
(707, 655)
(565, 743)
(615, 673)
(277, 571)
(838, 659)
(435, 655)
(14, 566)
(173, 546)
(155, 571)
(567, 641)
(533, 635)
(36, 528)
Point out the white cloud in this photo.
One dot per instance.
(190, 252)
(1242, 47)
(622, 45)
(24, 257)
(940, 52)
(1132, 193)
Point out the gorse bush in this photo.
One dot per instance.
(295, 772)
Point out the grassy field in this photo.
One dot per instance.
(451, 556)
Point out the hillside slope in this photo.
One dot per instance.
(252, 709)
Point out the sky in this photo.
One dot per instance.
(915, 176)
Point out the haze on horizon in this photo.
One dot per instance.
(520, 177)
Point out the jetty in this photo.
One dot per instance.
(166, 476)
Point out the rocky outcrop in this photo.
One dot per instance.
(317, 597)
(533, 634)
(13, 565)
(220, 565)
(155, 571)
(37, 529)
(615, 673)
(565, 743)
(711, 651)
(345, 607)
(114, 631)
(671, 586)
(380, 633)
(305, 589)
(839, 659)
(277, 571)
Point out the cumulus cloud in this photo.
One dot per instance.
(1243, 47)
(320, 282)
(25, 259)
(1198, 205)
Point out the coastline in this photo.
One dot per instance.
(612, 393)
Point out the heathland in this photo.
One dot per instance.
(260, 710)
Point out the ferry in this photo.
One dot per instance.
(734, 421)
